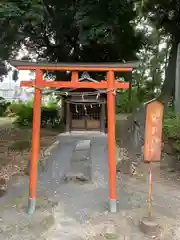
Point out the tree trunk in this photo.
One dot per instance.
(155, 68)
(167, 55)
(168, 87)
(130, 90)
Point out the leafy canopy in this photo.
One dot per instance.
(68, 30)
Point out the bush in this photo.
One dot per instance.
(3, 106)
(24, 112)
(171, 126)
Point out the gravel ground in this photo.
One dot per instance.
(73, 211)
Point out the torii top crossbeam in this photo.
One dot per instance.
(116, 67)
(110, 84)
(74, 67)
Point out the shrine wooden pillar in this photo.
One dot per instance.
(102, 118)
(111, 142)
(35, 142)
(68, 117)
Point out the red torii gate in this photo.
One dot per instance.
(38, 83)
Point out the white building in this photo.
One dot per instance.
(11, 90)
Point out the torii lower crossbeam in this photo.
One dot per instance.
(110, 84)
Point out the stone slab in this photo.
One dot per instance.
(81, 155)
(84, 168)
(75, 177)
(80, 163)
(83, 145)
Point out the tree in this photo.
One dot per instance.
(70, 31)
(164, 14)
(149, 76)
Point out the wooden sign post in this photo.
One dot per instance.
(153, 131)
(153, 140)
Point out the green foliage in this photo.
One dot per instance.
(123, 104)
(171, 125)
(164, 14)
(23, 111)
(51, 104)
(3, 107)
(127, 102)
(52, 29)
(165, 18)
(171, 129)
(153, 59)
(14, 16)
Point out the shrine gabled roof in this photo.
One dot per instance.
(85, 77)
(72, 89)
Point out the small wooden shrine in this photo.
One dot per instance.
(85, 109)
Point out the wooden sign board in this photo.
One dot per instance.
(153, 131)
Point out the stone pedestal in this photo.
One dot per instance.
(149, 226)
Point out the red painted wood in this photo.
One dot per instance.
(66, 84)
